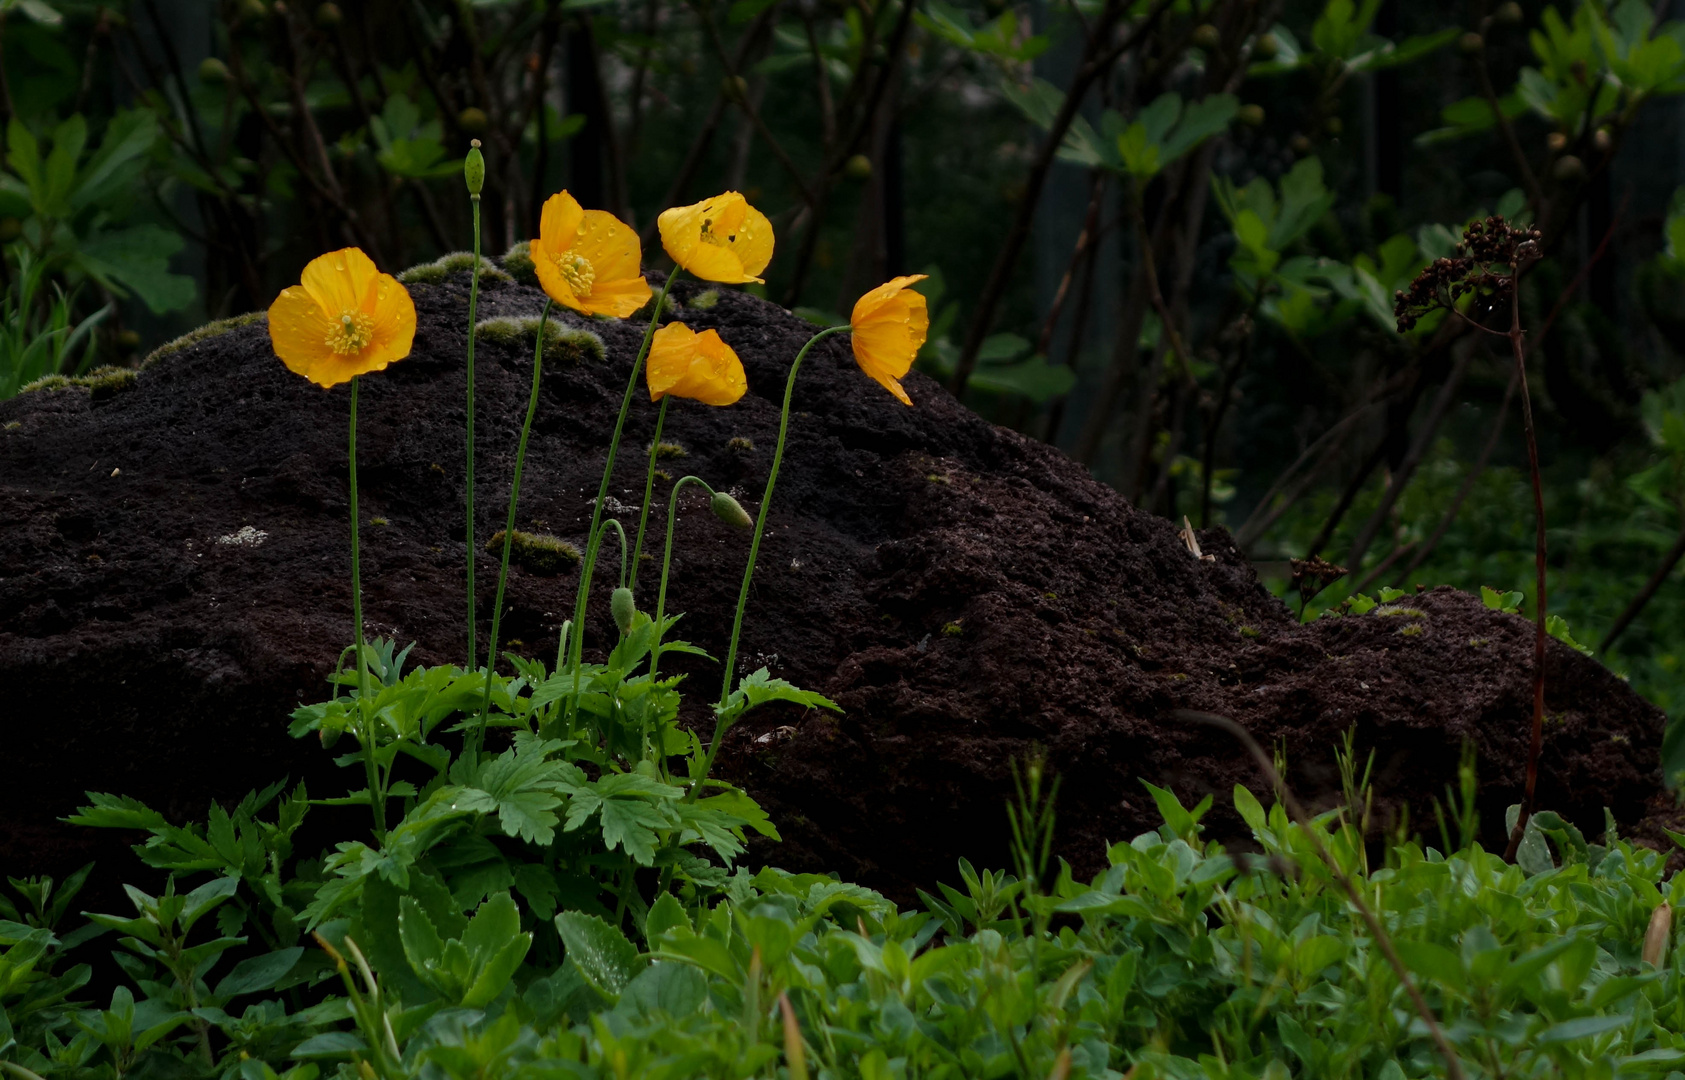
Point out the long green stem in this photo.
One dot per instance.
(377, 799)
(473, 304)
(477, 735)
(754, 553)
(577, 639)
(667, 565)
(574, 654)
(649, 492)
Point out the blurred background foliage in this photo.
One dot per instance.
(1162, 234)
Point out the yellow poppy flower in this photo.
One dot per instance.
(890, 324)
(588, 260)
(345, 319)
(720, 239)
(696, 366)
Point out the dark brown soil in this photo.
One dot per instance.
(966, 594)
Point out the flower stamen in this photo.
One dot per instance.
(577, 271)
(352, 333)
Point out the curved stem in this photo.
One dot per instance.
(377, 801)
(754, 553)
(477, 735)
(611, 523)
(649, 492)
(473, 304)
(667, 565)
(576, 639)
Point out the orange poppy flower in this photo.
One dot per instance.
(721, 239)
(588, 260)
(697, 366)
(890, 324)
(345, 319)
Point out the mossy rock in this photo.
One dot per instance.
(538, 553)
(562, 344)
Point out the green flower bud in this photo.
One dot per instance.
(858, 167)
(730, 511)
(212, 72)
(474, 169)
(329, 736)
(623, 608)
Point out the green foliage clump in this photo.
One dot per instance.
(561, 343)
(740, 443)
(539, 553)
(665, 451)
(205, 333)
(705, 300)
(446, 955)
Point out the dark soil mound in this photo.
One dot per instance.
(966, 594)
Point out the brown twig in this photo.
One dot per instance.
(1669, 561)
(1383, 940)
(705, 132)
(1097, 59)
(1413, 457)
(1330, 443)
(1462, 495)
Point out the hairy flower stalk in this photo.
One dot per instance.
(366, 734)
(889, 326)
(649, 492)
(474, 173)
(571, 648)
(476, 735)
(343, 320)
(683, 363)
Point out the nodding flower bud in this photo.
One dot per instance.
(329, 736)
(623, 608)
(474, 169)
(729, 510)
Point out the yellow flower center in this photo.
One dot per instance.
(352, 333)
(577, 271)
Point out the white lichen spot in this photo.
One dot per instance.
(245, 537)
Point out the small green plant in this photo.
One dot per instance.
(37, 339)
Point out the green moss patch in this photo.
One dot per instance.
(439, 269)
(562, 344)
(205, 333)
(538, 553)
(101, 383)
